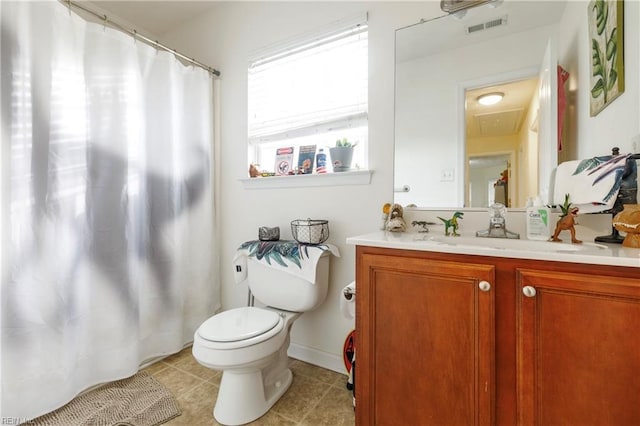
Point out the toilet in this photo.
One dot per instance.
(249, 344)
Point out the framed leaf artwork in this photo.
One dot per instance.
(606, 37)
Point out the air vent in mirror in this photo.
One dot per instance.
(497, 22)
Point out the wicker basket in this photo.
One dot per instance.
(309, 231)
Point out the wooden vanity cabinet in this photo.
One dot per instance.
(578, 349)
(425, 341)
(436, 346)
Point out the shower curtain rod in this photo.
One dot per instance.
(136, 35)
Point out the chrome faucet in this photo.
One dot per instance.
(497, 224)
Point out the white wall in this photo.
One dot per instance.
(226, 38)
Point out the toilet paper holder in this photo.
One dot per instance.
(349, 292)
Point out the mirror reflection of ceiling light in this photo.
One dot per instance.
(490, 98)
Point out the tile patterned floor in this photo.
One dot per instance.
(316, 396)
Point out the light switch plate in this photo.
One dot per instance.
(447, 175)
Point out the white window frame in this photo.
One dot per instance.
(354, 25)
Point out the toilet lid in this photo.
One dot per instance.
(238, 324)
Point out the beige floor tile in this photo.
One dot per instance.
(156, 367)
(301, 397)
(177, 357)
(190, 365)
(197, 406)
(197, 409)
(317, 397)
(178, 381)
(341, 381)
(273, 419)
(335, 408)
(302, 368)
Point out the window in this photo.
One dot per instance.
(310, 92)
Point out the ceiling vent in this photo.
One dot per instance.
(496, 22)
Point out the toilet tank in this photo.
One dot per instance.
(286, 291)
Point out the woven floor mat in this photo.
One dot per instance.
(139, 400)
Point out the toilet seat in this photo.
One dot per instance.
(240, 327)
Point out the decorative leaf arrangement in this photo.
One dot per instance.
(604, 61)
(603, 168)
(277, 251)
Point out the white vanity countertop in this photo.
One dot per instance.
(587, 252)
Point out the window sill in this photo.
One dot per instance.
(360, 177)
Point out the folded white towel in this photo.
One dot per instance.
(592, 184)
(286, 255)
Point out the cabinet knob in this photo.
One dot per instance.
(484, 285)
(529, 291)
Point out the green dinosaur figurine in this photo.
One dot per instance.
(452, 224)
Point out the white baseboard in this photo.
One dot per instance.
(321, 359)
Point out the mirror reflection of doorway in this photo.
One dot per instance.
(489, 180)
(499, 137)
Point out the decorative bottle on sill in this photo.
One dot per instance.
(321, 162)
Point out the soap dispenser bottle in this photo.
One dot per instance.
(538, 221)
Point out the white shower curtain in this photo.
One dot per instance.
(107, 166)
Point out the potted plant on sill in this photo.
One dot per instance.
(341, 155)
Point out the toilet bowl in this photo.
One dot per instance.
(249, 344)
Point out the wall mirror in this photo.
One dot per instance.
(451, 151)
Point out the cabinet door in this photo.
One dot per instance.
(425, 342)
(578, 349)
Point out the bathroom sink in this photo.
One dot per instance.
(468, 244)
(508, 244)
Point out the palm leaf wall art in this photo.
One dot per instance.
(606, 34)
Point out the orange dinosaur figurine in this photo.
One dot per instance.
(567, 223)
